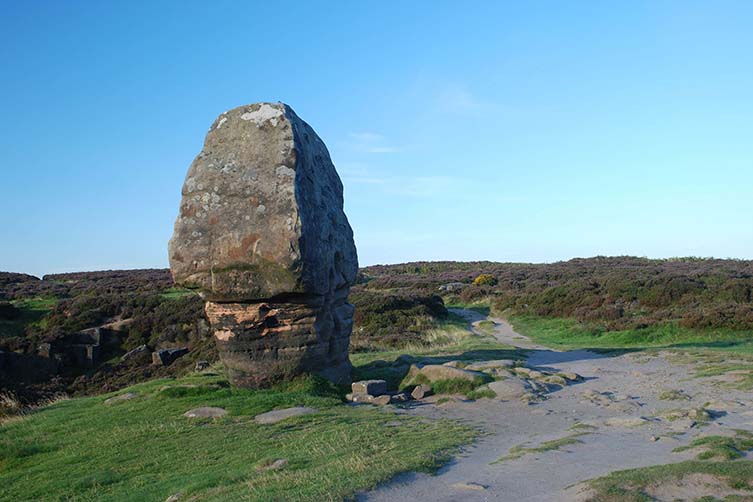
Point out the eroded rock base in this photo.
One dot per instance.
(261, 343)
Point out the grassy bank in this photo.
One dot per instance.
(570, 334)
(145, 449)
(451, 341)
(729, 481)
(30, 311)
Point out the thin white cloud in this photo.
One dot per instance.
(371, 142)
(458, 99)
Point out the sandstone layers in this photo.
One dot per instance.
(262, 235)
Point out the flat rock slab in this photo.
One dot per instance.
(488, 365)
(510, 388)
(206, 412)
(435, 372)
(121, 397)
(469, 486)
(274, 416)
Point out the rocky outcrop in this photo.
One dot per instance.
(263, 236)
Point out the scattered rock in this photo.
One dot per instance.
(452, 287)
(488, 365)
(273, 466)
(175, 497)
(360, 397)
(142, 351)
(372, 387)
(206, 412)
(382, 400)
(469, 486)
(555, 380)
(201, 365)
(434, 372)
(274, 416)
(120, 397)
(522, 370)
(509, 388)
(573, 377)
(263, 236)
(400, 397)
(165, 357)
(420, 391)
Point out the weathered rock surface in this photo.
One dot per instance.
(510, 388)
(373, 387)
(121, 397)
(262, 234)
(165, 357)
(436, 372)
(274, 416)
(206, 412)
(489, 365)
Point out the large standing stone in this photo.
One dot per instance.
(262, 234)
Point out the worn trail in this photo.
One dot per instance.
(614, 419)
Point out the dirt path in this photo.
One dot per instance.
(617, 408)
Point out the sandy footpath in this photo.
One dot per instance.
(617, 407)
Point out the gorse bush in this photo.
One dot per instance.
(485, 280)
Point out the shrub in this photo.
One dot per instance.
(485, 280)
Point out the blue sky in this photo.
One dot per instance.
(510, 131)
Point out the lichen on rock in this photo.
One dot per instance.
(263, 236)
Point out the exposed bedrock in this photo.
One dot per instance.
(262, 235)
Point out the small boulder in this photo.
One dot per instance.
(382, 400)
(120, 397)
(142, 351)
(360, 397)
(206, 412)
(420, 391)
(201, 365)
(273, 466)
(372, 387)
(510, 388)
(436, 372)
(165, 357)
(489, 365)
(274, 416)
(478, 487)
(573, 377)
(400, 397)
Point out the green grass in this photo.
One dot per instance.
(481, 393)
(721, 447)
(175, 293)
(552, 445)
(144, 449)
(630, 485)
(481, 306)
(33, 310)
(571, 334)
(452, 341)
(674, 395)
